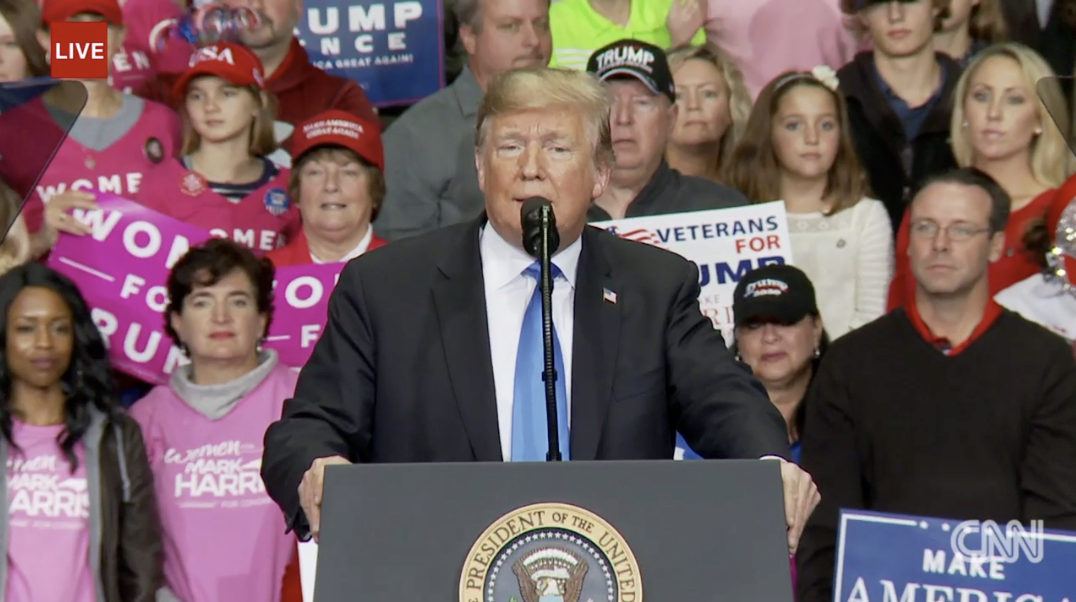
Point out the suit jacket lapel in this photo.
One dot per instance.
(460, 302)
(595, 341)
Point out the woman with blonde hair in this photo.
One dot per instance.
(712, 109)
(1008, 118)
(796, 148)
(970, 26)
(15, 248)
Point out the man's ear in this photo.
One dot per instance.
(997, 246)
(480, 167)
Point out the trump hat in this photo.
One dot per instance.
(338, 128)
(234, 63)
(57, 11)
(634, 59)
(773, 293)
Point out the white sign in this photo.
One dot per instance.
(725, 244)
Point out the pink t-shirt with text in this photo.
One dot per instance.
(48, 520)
(224, 537)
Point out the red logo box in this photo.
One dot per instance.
(79, 50)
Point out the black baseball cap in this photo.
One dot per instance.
(773, 293)
(632, 58)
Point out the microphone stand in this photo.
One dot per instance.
(549, 374)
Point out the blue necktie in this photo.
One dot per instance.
(530, 439)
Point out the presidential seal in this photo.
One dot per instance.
(551, 552)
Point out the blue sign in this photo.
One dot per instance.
(894, 557)
(394, 50)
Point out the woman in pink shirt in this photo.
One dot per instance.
(766, 38)
(81, 518)
(224, 539)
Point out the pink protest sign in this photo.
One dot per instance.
(302, 308)
(121, 268)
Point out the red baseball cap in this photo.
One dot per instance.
(56, 11)
(339, 128)
(234, 63)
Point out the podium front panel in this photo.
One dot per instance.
(673, 532)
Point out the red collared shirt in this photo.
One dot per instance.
(990, 315)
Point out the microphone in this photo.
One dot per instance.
(540, 239)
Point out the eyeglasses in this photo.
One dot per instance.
(958, 232)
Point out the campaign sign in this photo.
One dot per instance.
(393, 49)
(302, 308)
(725, 244)
(121, 269)
(893, 557)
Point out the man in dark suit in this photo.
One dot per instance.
(426, 336)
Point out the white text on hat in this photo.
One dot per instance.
(626, 56)
(339, 127)
(766, 286)
(211, 53)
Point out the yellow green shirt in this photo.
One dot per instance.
(578, 30)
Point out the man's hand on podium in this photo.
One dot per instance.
(801, 497)
(310, 490)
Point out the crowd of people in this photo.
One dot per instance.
(918, 346)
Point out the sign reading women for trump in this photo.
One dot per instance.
(393, 49)
(122, 268)
(725, 244)
(893, 557)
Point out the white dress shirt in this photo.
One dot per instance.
(353, 253)
(508, 292)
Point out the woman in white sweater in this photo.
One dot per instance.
(796, 148)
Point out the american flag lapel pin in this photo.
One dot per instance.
(609, 296)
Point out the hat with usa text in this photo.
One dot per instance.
(234, 63)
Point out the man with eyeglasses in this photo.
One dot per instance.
(637, 75)
(949, 407)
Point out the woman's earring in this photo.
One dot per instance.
(1038, 131)
(817, 352)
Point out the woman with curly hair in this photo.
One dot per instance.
(224, 538)
(81, 521)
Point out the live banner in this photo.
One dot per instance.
(394, 50)
(894, 557)
(122, 268)
(725, 244)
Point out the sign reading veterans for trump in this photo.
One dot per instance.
(725, 244)
(394, 50)
(900, 558)
(551, 552)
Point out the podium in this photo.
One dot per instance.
(661, 531)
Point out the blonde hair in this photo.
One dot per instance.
(15, 248)
(1051, 160)
(753, 167)
(739, 97)
(262, 136)
(549, 88)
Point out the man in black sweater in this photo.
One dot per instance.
(951, 407)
